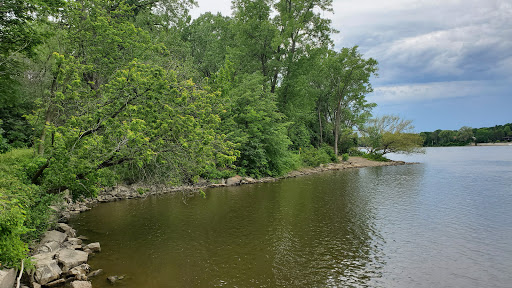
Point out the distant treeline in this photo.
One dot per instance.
(467, 135)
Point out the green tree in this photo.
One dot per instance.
(347, 82)
(391, 134)
(465, 134)
(253, 122)
(447, 136)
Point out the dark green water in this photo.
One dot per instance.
(444, 223)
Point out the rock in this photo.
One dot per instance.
(75, 241)
(94, 247)
(95, 273)
(47, 269)
(82, 237)
(233, 181)
(56, 283)
(7, 278)
(51, 246)
(81, 284)
(53, 235)
(80, 272)
(249, 180)
(71, 258)
(63, 227)
(36, 285)
(112, 279)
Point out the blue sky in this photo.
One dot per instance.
(442, 63)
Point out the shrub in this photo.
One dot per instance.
(312, 157)
(376, 157)
(344, 157)
(354, 151)
(24, 207)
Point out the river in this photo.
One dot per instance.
(446, 222)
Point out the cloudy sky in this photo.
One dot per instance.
(442, 63)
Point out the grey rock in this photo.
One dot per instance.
(57, 282)
(80, 271)
(47, 269)
(71, 258)
(36, 285)
(249, 180)
(53, 235)
(81, 284)
(75, 241)
(7, 278)
(94, 247)
(63, 227)
(48, 247)
(233, 181)
(95, 273)
(112, 279)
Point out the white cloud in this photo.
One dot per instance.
(427, 92)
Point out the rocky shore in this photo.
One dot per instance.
(134, 191)
(60, 259)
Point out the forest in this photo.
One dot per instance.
(97, 92)
(467, 135)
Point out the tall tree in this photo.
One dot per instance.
(347, 80)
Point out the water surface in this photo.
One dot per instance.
(446, 222)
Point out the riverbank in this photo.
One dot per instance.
(60, 244)
(134, 191)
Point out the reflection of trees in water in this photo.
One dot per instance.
(316, 231)
(324, 233)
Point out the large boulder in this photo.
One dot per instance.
(54, 235)
(94, 247)
(51, 246)
(63, 227)
(234, 181)
(7, 278)
(71, 258)
(47, 268)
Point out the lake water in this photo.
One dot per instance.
(446, 222)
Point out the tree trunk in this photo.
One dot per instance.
(337, 128)
(320, 124)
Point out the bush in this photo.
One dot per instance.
(24, 211)
(312, 157)
(376, 157)
(344, 157)
(354, 151)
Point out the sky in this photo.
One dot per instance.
(442, 63)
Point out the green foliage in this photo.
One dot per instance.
(313, 157)
(354, 151)
(24, 211)
(390, 134)
(253, 123)
(466, 135)
(345, 157)
(375, 157)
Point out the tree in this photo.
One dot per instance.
(465, 134)
(391, 134)
(253, 122)
(210, 36)
(446, 137)
(347, 82)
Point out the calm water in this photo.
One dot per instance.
(446, 222)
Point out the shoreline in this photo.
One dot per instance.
(62, 247)
(138, 190)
